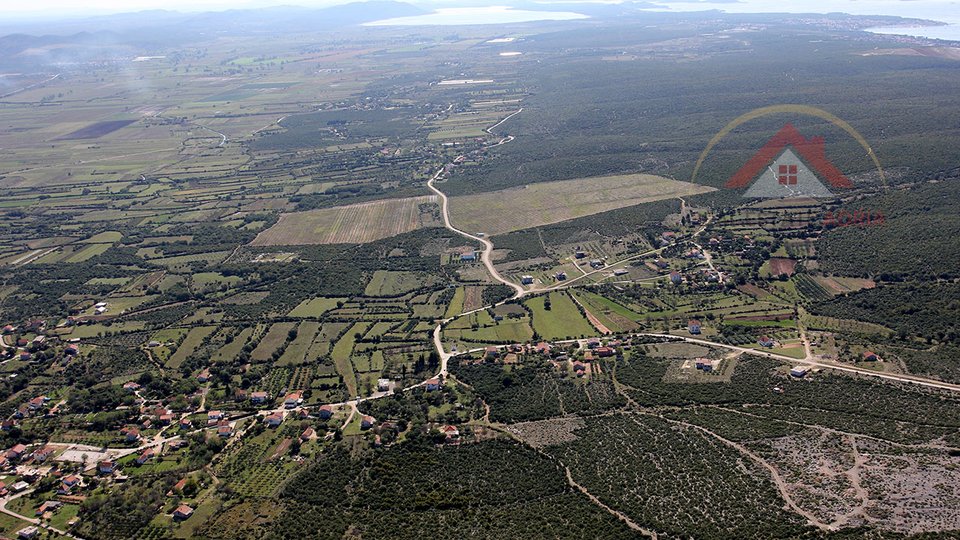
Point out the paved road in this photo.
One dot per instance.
(32, 521)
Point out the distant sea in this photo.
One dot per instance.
(950, 31)
(478, 15)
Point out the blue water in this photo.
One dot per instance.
(950, 31)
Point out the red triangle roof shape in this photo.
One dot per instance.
(811, 150)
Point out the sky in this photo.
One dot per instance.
(944, 10)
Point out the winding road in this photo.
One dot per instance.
(519, 292)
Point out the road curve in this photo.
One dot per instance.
(486, 255)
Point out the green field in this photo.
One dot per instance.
(190, 343)
(341, 355)
(296, 351)
(561, 321)
(543, 203)
(315, 307)
(271, 341)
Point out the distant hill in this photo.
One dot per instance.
(129, 34)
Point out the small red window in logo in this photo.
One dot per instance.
(788, 175)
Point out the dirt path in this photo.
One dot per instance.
(619, 515)
(486, 254)
(602, 328)
(853, 476)
(778, 480)
(34, 85)
(898, 377)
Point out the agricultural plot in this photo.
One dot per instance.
(840, 285)
(87, 253)
(544, 203)
(736, 497)
(194, 338)
(207, 280)
(614, 316)
(276, 336)
(357, 223)
(231, 350)
(390, 283)
(464, 125)
(322, 342)
(342, 353)
(848, 326)
(168, 339)
(562, 321)
(315, 307)
(456, 303)
(181, 263)
(296, 351)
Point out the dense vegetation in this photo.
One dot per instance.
(898, 413)
(402, 491)
(913, 309)
(917, 239)
(533, 390)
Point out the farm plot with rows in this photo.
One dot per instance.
(356, 223)
(498, 212)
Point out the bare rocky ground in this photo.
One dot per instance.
(848, 480)
(548, 432)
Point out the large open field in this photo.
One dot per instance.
(497, 212)
(355, 223)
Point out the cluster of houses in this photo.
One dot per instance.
(29, 466)
(580, 363)
(29, 342)
(702, 276)
(34, 407)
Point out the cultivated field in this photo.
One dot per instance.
(356, 223)
(497, 212)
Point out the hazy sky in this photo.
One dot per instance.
(948, 10)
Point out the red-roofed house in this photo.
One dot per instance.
(48, 506)
(326, 412)
(693, 325)
(16, 451)
(182, 512)
(36, 402)
(605, 352)
(451, 432)
(43, 454)
(145, 456)
(130, 434)
(293, 399)
(870, 356)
